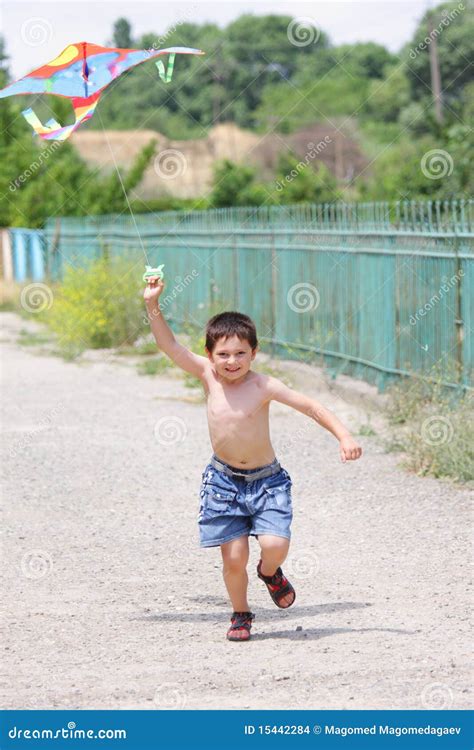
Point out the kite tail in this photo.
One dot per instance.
(166, 76)
(83, 107)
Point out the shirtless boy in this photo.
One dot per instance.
(245, 491)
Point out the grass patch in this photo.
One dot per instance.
(190, 381)
(155, 366)
(144, 349)
(434, 428)
(366, 430)
(29, 338)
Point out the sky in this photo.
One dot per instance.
(36, 32)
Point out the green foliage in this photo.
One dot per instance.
(296, 182)
(155, 366)
(386, 99)
(287, 108)
(435, 427)
(254, 75)
(365, 59)
(453, 29)
(67, 186)
(234, 186)
(397, 174)
(98, 306)
(26, 338)
(300, 182)
(122, 34)
(441, 443)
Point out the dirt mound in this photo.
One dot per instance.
(184, 169)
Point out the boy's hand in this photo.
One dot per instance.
(349, 449)
(153, 288)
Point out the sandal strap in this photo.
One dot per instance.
(278, 580)
(283, 591)
(241, 620)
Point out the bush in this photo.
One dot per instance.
(98, 306)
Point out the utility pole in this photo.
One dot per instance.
(435, 72)
(217, 78)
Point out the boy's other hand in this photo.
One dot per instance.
(349, 449)
(153, 288)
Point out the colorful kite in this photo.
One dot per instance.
(80, 73)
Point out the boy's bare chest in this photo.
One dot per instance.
(242, 402)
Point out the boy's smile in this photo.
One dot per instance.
(232, 358)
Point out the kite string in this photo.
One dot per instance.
(123, 188)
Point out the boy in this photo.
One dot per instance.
(245, 491)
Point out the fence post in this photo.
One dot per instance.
(7, 264)
(19, 255)
(273, 289)
(235, 266)
(459, 323)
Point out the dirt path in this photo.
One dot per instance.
(110, 603)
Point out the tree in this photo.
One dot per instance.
(454, 32)
(365, 59)
(122, 35)
(298, 182)
(388, 97)
(231, 183)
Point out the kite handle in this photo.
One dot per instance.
(150, 272)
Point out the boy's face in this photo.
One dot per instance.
(232, 357)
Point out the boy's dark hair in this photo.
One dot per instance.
(227, 324)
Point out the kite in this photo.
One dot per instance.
(81, 73)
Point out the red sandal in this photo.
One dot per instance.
(278, 586)
(241, 622)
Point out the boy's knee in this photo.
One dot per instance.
(276, 544)
(235, 562)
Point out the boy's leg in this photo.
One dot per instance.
(274, 550)
(235, 556)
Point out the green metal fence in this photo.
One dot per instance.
(373, 290)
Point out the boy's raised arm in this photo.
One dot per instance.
(164, 336)
(278, 391)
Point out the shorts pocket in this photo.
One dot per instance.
(279, 495)
(216, 500)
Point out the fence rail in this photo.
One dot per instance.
(374, 290)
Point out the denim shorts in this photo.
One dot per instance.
(232, 506)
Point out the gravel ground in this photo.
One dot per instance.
(108, 602)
